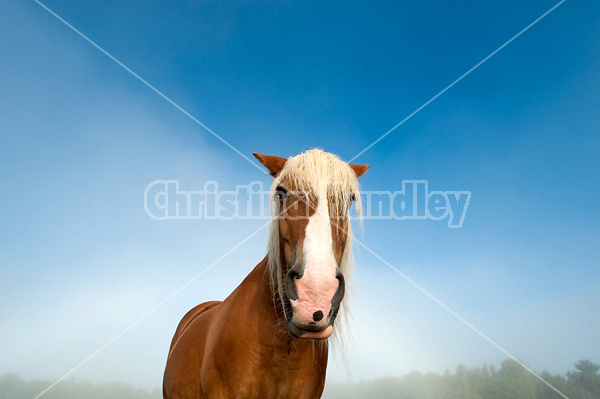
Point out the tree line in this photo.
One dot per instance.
(509, 381)
(13, 387)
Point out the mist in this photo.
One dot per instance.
(91, 287)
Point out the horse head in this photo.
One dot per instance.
(310, 243)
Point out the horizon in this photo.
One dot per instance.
(495, 368)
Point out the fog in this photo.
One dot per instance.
(92, 287)
(510, 380)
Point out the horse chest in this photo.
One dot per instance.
(272, 373)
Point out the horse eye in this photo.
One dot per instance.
(352, 197)
(281, 193)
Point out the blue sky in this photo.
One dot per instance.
(81, 138)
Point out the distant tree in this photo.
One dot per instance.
(559, 382)
(587, 367)
(515, 381)
(586, 379)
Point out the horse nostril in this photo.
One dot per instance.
(318, 315)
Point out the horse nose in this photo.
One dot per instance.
(314, 298)
(318, 316)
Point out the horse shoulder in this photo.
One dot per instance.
(189, 317)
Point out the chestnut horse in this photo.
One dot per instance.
(268, 339)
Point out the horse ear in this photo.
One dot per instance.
(359, 169)
(273, 163)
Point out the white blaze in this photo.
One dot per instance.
(318, 245)
(318, 284)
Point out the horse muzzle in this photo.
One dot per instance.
(312, 303)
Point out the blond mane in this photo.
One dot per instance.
(309, 172)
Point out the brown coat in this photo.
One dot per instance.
(239, 348)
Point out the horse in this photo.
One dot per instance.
(269, 339)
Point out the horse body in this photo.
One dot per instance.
(231, 349)
(268, 339)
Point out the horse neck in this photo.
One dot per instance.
(265, 301)
(265, 308)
